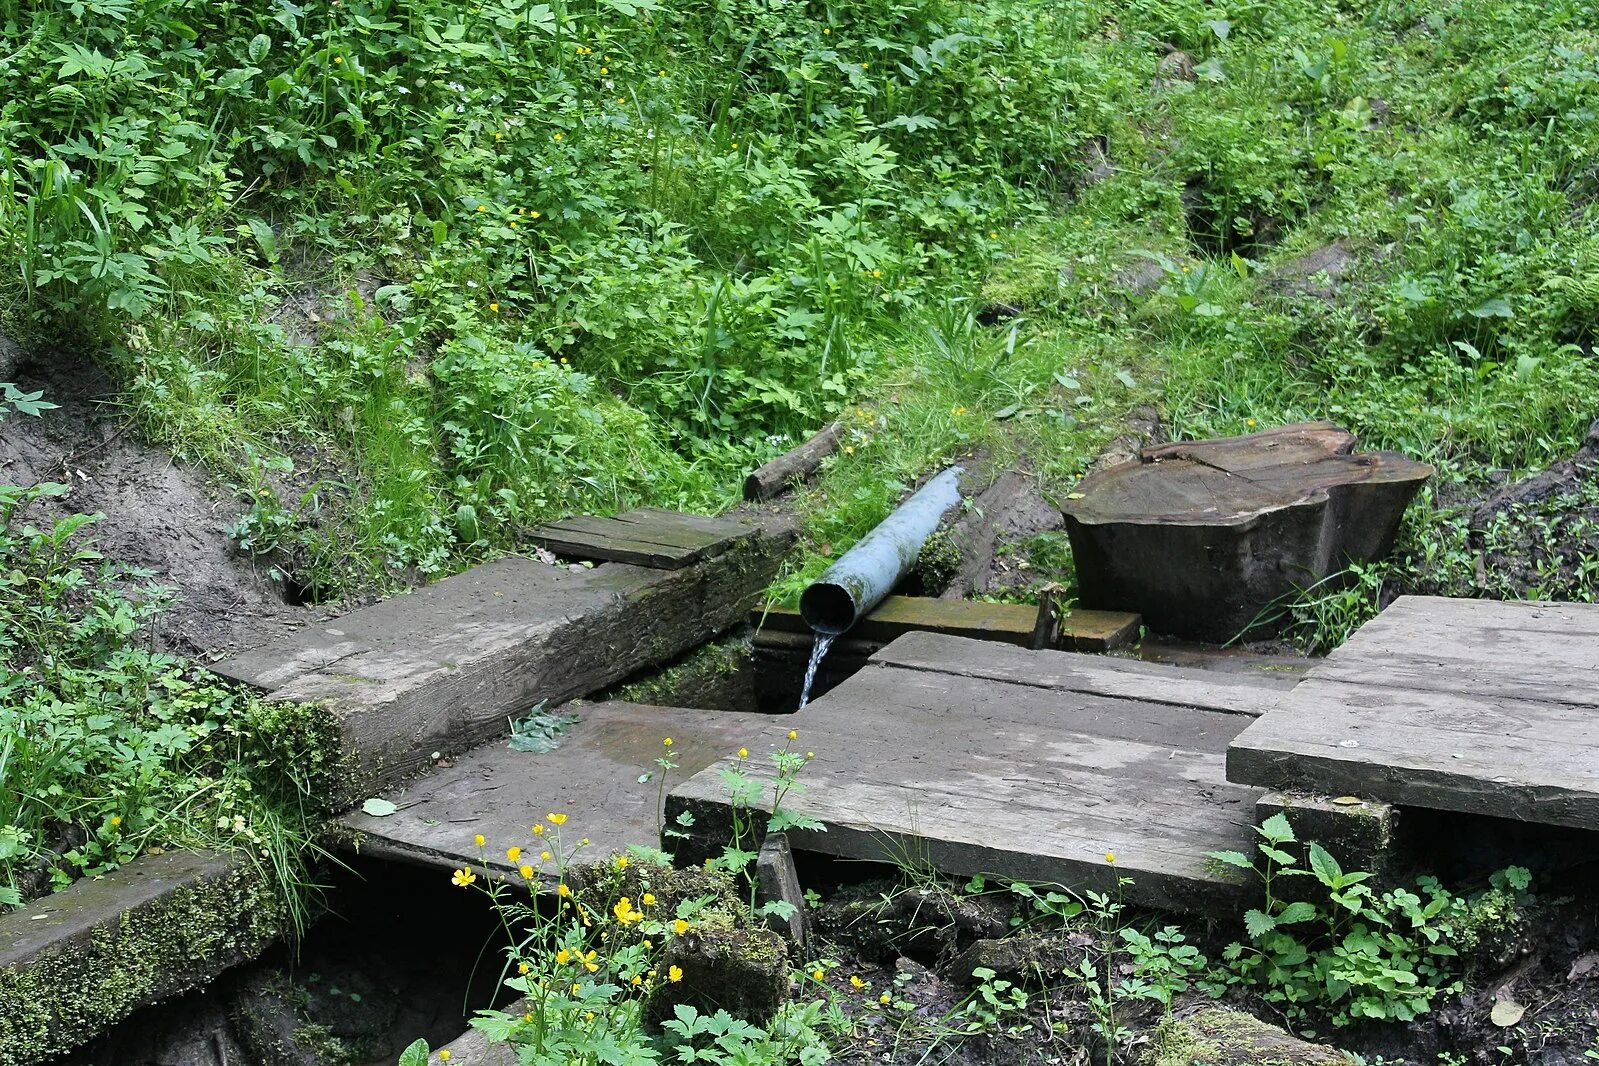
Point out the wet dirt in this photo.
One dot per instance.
(160, 515)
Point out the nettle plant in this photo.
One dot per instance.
(1356, 953)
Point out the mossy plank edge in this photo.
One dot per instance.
(77, 962)
(442, 669)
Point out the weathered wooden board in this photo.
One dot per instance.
(1009, 623)
(1200, 537)
(919, 757)
(1010, 509)
(1477, 706)
(441, 669)
(1113, 678)
(665, 540)
(592, 776)
(78, 962)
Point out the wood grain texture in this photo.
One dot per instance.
(649, 537)
(592, 776)
(919, 756)
(1473, 706)
(1201, 536)
(442, 668)
(1010, 509)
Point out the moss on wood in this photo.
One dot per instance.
(74, 988)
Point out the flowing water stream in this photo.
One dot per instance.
(823, 642)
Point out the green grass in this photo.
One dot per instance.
(410, 277)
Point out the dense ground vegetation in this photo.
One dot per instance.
(408, 277)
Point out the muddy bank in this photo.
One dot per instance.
(160, 515)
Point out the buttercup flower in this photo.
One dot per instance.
(514, 854)
(526, 871)
(680, 927)
(675, 974)
(557, 819)
(464, 877)
(478, 840)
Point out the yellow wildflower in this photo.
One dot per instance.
(559, 136)
(557, 819)
(533, 214)
(819, 974)
(592, 967)
(743, 753)
(675, 974)
(538, 830)
(1110, 857)
(680, 927)
(544, 856)
(562, 890)
(478, 840)
(885, 999)
(464, 877)
(638, 979)
(856, 982)
(514, 854)
(810, 755)
(827, 31)
(496, 309)
(649, 899)
(526, 871)
(793, 734)
(444, 1054)
(338, 61)
(563, 957)
(116, 820)
(527, 1018)
(523, 968)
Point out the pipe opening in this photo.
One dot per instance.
(827, 608)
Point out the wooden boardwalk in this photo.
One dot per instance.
(972, 757)
(1477, 706)
(591, 775)
(441, 669)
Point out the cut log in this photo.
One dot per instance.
(1009, 509)
(1201, 537)
(776, 477)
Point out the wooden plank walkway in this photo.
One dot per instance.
(974, 757)
(441, 669)
(665, 540)
(1477, 706)
(592, 776)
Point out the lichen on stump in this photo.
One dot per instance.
(1202, 537)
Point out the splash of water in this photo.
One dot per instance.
(819, 649)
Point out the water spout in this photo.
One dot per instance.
(869, 571)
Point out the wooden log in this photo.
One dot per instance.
(777, 476)
(442, 668)
(1009, 509)
(75, 963)
(1200, 537)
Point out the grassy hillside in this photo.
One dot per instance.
(408, 277)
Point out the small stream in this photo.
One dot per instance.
(823, 642)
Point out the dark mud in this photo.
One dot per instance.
(160, 515)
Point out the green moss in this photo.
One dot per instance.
(680, 683)
(60, 999)
(1221, 1037)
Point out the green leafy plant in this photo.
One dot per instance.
(1353, 952)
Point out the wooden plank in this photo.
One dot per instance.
(1000, 622)
(1114, 678)
(442, 669)
(592, 776)
(982, 775)
(645, 537)
(1471, 706)
(155, 928)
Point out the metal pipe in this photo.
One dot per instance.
(869, 571)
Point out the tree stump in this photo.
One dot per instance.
(1201, 537)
